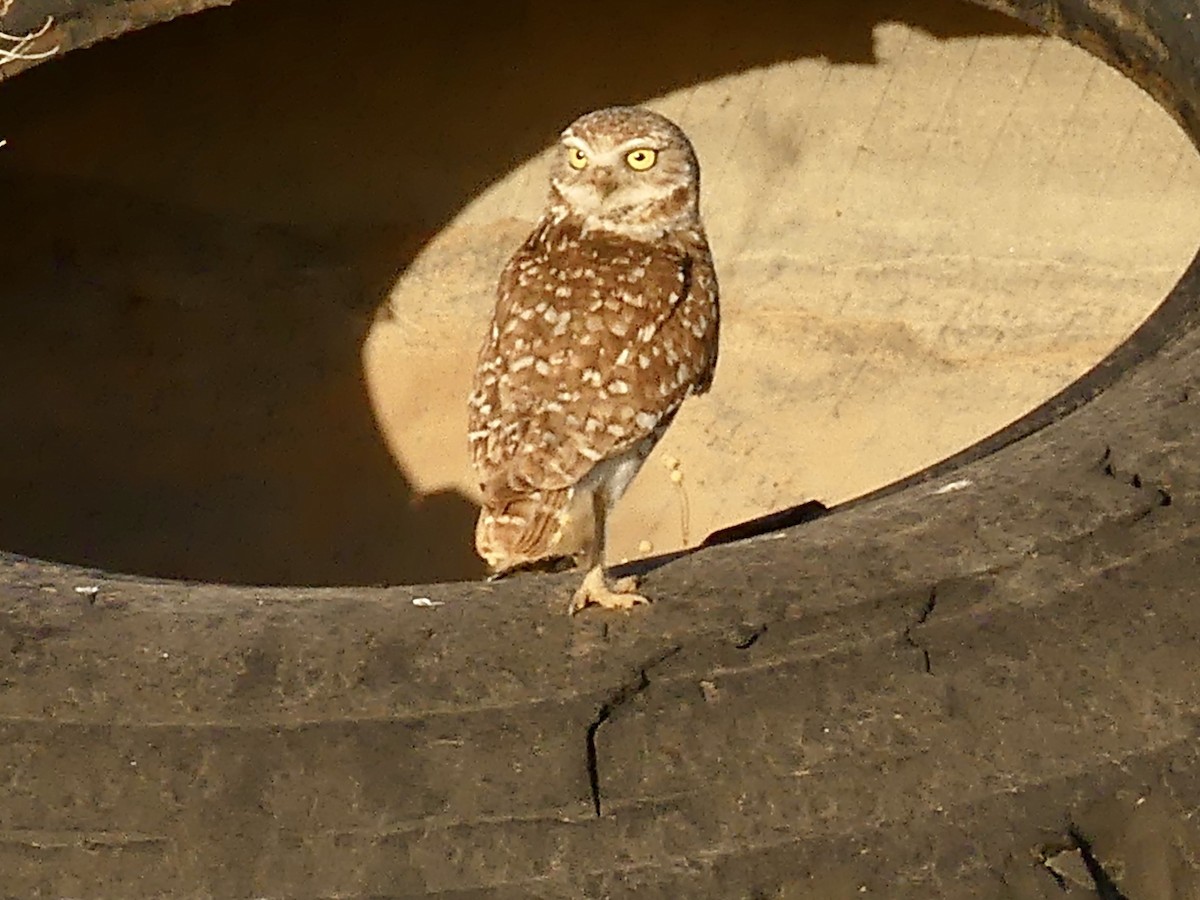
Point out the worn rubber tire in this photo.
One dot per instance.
(924, 693)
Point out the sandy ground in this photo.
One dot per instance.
(908, 263)
(244, 302)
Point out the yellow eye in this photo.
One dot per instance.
(641, 159)
(577, 158)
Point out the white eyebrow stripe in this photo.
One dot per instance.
(640, 143)
(578, 143)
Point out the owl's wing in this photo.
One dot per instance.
(485, 418)
(561, 389)
(707, 313)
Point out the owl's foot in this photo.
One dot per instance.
(595, 591)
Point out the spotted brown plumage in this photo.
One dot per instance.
(606, 319)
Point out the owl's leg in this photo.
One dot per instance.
(595, 588)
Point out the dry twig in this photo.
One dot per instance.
(15, 47)
(18, 44)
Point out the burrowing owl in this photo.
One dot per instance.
(606, 319)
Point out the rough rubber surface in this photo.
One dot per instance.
(926, 694)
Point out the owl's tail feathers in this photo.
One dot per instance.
(520, 530)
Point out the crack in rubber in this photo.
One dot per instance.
(752, 638)
(1106, 888)
(619, 698)
(1134, 480)
(922, 617)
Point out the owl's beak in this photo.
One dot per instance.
(606, 183)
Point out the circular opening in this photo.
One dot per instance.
(243, 302)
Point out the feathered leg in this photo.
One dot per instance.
(595, 589)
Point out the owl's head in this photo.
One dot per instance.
(628, 170)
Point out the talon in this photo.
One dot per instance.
(594, 591)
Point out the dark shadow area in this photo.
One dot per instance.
(768, 523)
(182, 399)
(201, 220)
